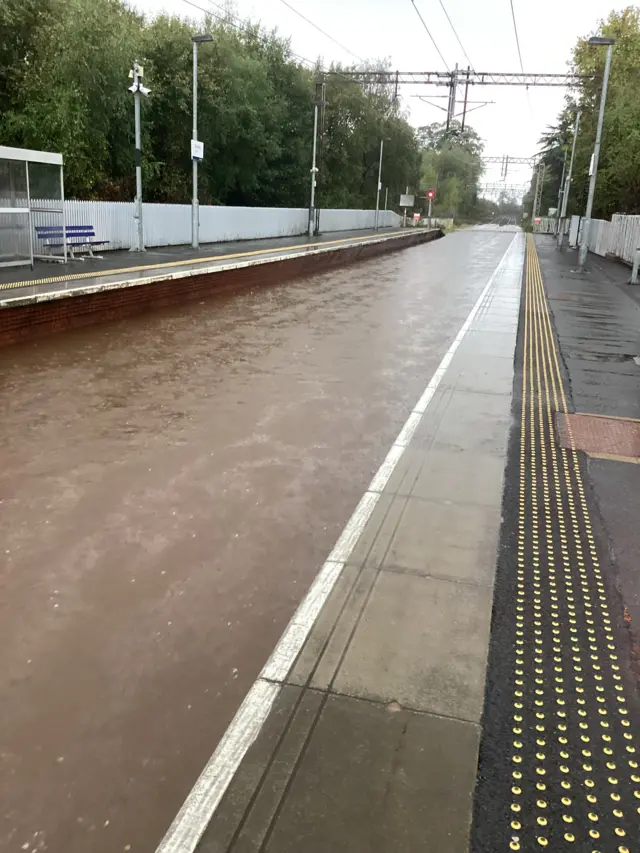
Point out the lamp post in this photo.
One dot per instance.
(136, 74)
(314, 170)
(584, 246)
(319, 103)
(561, 193)
(567, 183)
(379, 185)
(196, 150)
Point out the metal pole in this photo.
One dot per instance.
(140, 241)
(536, 197)
(195, 215)
(584, 247)
(139, 247)
(451, 113)
(312, 214)
(561, 193)
(64, 215)
(379, 186)
(30, 215)
(466, 96)
(321, 93)
(386, 198)
(567, 183)
(429, 214)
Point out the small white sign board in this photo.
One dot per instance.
(197, 149)
(406, 200)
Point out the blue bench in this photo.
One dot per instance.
(78, 237)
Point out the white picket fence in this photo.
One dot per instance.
(624, 237)
(170, 224)
(619, 238)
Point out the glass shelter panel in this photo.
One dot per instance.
(47, 213)
(15, 225)
(14, 191)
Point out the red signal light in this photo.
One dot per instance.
(431, 193)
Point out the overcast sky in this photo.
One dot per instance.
(374, 29)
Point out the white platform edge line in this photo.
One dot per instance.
(186, 830)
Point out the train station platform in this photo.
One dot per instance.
(54, 297)
(340, 565)
(120, 267)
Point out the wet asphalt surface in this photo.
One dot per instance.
(169, 487)
(597, 318)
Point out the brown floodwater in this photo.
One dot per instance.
(169, 487)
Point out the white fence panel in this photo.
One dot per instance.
(170, 224)
(356, 220)
(112, 220)
(599, 236)
(625, 236)
(220, 224)
(620, 237)
(389, 219)
(166, 224)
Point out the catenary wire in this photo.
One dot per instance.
(413, 3)
(466, 55)
(515, 30)
(320, 30)
(226, 19)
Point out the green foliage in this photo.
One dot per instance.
(64, 68)
(618, 186)
(452, 165)
(357, 119)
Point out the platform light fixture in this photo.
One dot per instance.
(596, 41)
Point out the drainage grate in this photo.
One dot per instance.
(599, 435)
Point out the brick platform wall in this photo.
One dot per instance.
(45, 318)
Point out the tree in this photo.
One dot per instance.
(452, 165)
(64, 68)
(618, 187)
(357, 119)
(74, 98)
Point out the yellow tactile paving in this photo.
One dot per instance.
(56, 279)
(575, 776)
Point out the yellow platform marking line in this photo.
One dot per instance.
(562, 675)
(186, 262)
(589, 665)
